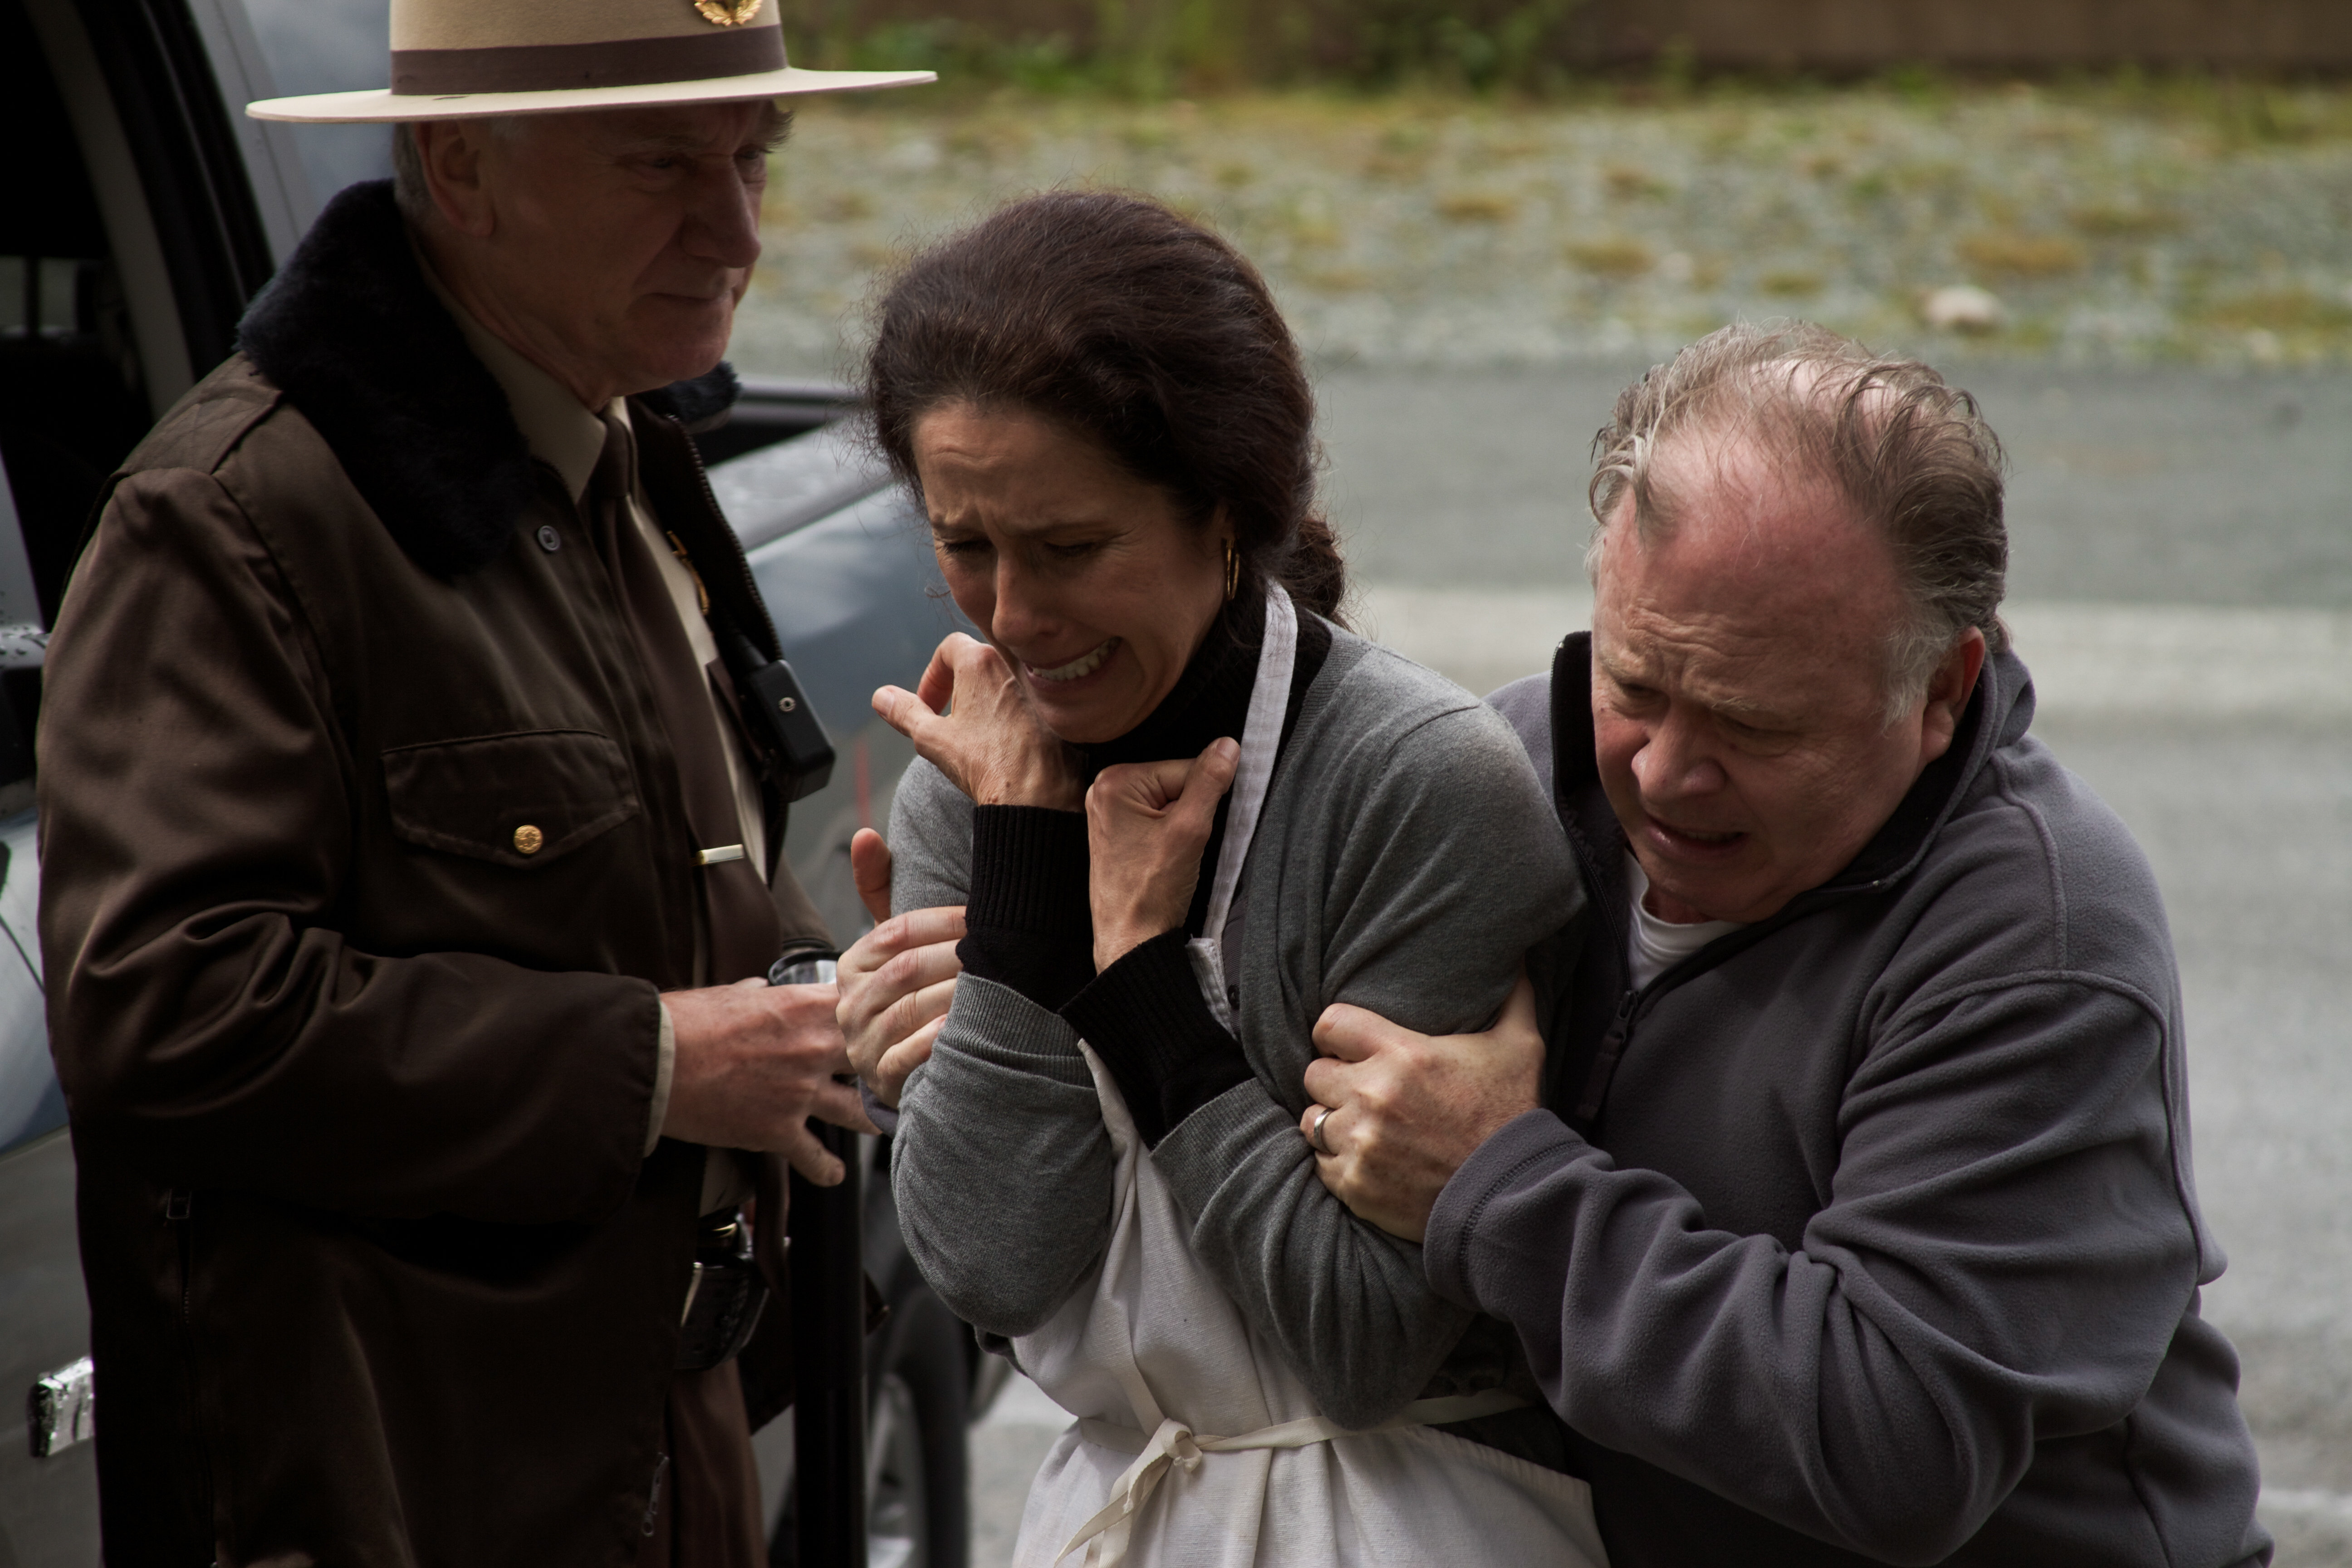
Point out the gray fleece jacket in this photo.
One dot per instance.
(1406, 860)
(1872, 1223)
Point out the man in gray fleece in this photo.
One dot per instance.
(1851, 1218)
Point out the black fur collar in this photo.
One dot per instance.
(349, 331)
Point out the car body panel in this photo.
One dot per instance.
(844, 562)
(283, 193)
(31, 1103)
(321, 46)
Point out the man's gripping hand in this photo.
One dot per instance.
(1407, 1109)
(752, 1063)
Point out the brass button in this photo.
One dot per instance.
(527, 839)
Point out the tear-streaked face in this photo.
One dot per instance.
(1086, 578)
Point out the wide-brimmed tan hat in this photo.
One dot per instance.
(457, 60)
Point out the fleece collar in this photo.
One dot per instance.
(352, 332)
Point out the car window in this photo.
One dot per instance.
(329, 46)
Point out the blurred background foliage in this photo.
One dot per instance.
(1152, 49)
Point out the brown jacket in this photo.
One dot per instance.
(379, 1271)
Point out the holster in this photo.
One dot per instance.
(727, 1294)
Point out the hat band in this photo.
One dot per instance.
(557, 67)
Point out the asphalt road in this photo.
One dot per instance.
(2139, 487)
(2182, 583)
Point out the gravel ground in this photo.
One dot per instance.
(2101, 224)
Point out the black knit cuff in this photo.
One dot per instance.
(1146, 1018)
(1027, 923)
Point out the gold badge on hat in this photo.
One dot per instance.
(728, 16)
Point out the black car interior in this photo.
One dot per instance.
(73, 395)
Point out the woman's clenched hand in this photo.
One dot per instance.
(1147, 825)
(897, 980)
(969, 719)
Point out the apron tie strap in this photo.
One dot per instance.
(1106, 1535)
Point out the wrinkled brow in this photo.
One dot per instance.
(770, 132)
(1729, 704)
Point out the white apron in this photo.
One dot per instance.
(1195, 1447)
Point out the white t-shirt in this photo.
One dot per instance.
(1658, 945)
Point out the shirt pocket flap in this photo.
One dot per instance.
(519, 800)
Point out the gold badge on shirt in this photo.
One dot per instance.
(726, 15)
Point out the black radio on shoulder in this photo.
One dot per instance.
(783, 720)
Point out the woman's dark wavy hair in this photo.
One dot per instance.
(1135, 328)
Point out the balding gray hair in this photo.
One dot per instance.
(1908, 452)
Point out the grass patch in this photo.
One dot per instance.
(1477, 207)
(2125, 222)
(1615, 256)
(2278, 310)
(2006, 254)
(1627, 183)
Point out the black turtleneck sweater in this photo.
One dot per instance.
(1029, 925)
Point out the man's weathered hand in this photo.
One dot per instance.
(752, 1063)
(970, 718)
(1147, 824)
(1407, 1109)
(897, 979)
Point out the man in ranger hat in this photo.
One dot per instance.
(411, 873)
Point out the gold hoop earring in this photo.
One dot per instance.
(1233, 571)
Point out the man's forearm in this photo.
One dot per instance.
(1800, 1384)
(1709, 1354)
(198, 811)
(440, 1083)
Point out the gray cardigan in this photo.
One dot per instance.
(1405, 861)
